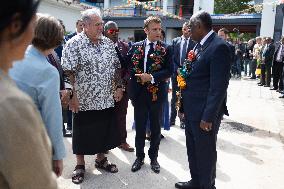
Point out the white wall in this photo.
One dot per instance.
(69, 14)
(268, 19)
(206, 5)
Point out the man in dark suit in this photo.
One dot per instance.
(277, 68)
(151, 65)
(224, 34)
(111, 31)
(181, 46)
(267, 56)
(79, 29)
(204, 101)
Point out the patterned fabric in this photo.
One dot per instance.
(96, 71)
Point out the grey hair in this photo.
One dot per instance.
(110, 24)
(203, 18)
(86, 14)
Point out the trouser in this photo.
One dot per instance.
(202, 153)
(246, 65)
(144, 107)
(120, 116)
(277, 70)
(253, 65)
(174, 99)
(268, 73)
(263, 74)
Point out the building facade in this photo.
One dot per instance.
(130, 16)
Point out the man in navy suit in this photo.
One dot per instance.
(181, 46)
(204, 101)
(151, 62)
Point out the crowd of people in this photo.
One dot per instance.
(259, 57)
(85, 79)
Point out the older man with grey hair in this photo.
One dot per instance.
(91, 61)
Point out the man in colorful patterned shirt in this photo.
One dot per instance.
(90, 60)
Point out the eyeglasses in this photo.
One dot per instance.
(112, 31)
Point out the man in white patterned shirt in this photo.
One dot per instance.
(91, 62)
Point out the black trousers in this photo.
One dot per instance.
(144, 108)
(174, 99)
(120, 110)
(263, 74)
(277, 70)
(202, 153)
(253, 65)
(268, 73)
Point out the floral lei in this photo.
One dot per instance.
(185, 70)
(158, 60)
(183, 73)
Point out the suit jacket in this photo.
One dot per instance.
(159, 76)
(277, 48)
(268, 54)
(122, 50)
(206, 86)
(176, 51)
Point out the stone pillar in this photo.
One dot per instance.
(268, 19)
(106, 4)
(278, 27)
(165, 7)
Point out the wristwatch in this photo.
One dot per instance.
(71, 92)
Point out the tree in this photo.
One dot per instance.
(230, 6)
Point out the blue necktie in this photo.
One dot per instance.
(149, 60)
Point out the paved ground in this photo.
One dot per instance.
(250, 151)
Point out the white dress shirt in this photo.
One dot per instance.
(183, 39)
(206, 37)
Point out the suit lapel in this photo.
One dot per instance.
(208, 41)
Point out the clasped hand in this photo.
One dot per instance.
(144, 77)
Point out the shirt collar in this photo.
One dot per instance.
(148, 42)
(183, 38)
(206, 37)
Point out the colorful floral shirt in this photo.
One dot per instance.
(96, 71)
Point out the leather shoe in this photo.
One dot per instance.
(281, 96)
(155, 166)
(137, 164)
(126, 147)
(186, 185)
(266, 85)
(273, 88)
(182, 125)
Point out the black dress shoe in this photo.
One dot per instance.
(155, 166)
(266, 85)
(137, 164)
(182, 125)
(281, 96)
(273, 88)
(186, 185)
(261, 84)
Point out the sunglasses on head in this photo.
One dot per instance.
(112, 31)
